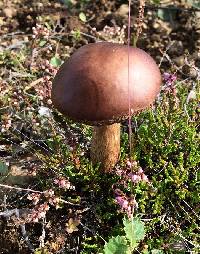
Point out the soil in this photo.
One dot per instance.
(177, 31)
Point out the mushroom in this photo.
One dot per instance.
(92, 87)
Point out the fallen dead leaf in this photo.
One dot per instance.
(72, 225)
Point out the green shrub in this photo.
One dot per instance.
(167, 147)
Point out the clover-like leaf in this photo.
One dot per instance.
(135, 231)
(55, 61)
(116, 245)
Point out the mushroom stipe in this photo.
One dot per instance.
(92, 87)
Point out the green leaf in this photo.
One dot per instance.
(41, 251)
(135, 231)
(68, 3)
(167, 15)
(55, 61)
(116, 245)
(82, 17)
(3, 168)
(42, 43)
(155, 1)
(196, 5)
(155, 251)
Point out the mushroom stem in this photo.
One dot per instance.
(105, 147)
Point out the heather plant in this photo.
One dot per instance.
(167, 148)
(159, 183)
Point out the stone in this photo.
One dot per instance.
(123, 10)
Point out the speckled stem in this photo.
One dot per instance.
(105, 147)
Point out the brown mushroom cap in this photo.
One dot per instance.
(92, 85)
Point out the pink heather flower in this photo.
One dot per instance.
(140, 171)
(38, 213)
(123, 203)
(127, 204)
(138, 177)
(49, 193)
(120, 200)
(134, 177)
(129, 164)
(56, 181)
(144, 178)
(54, 201)
(169, 78)
(169, 81)
(35, 197)
(63, 183)
(119, 172)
